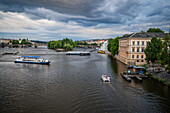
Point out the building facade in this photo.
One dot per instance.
(131, 47)
(5, 41)
(104, 45)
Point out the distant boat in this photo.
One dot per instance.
(100, 51)
(82, 53)
(32, 60)
(105, 78)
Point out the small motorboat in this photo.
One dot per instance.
(105, 78)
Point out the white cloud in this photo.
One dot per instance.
(110, 19)
(41, 28)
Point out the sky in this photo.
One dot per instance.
(47, 20)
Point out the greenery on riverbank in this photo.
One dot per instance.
(157, 51)
(23, 41)
(66, 44)
(113, 45)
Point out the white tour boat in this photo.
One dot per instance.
(32, 60)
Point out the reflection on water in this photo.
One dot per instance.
(73, 84)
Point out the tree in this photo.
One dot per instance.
(2, 44)
(15, 42)
(113, 45)
(155, 30)
(165, 55)
(62, 44)
(153, 50)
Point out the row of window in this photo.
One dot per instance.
(137, 56)
(138, 49)
(139, 43)
(141, 60)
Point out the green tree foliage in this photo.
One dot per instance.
(153, 50)
(63, 44)
(165, 53)
(110, 44)
(81, 43)
(15, 42)
(95, 44)
(155, 30)
(113, 45)
(2, 44)
(24, 41)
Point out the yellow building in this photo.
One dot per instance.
(131, 47)
(5, 41)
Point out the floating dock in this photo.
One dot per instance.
(126, 77)
(129, 76)
(10, 53)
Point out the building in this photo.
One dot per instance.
(132, 46)
(5, 41)
(104, 45)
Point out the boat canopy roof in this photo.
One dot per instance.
(140, 67)
(31, 56)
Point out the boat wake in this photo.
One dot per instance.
(112, 87)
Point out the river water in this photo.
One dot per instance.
(72, 84)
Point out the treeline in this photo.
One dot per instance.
(113, 45)
(66, 43)
(84, 43)
(23, 41)
(157, 51)
(155, 30)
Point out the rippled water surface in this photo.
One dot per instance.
(72, 84)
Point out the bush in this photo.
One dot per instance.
(168, 84)
(162, 80)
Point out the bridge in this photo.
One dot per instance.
(40, 44)
(27, 45)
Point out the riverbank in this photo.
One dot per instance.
(162, 77)
(62, 50)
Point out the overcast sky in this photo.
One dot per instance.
(80, 19)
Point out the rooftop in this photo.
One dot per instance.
(145, 35)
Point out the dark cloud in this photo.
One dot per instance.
(162, 11)
(76, 7)
(128, 8)
(113, 11)
(118, 15)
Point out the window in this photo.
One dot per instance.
(141, 60)
(132, 56)
(142, 49)
(147, 42)
(141, 56)
(138, 49)
(142, 42)
(137, 56)
(138, 42)
(133, 49)
(133, 42)
(137, 60)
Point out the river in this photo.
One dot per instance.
(72, 84)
